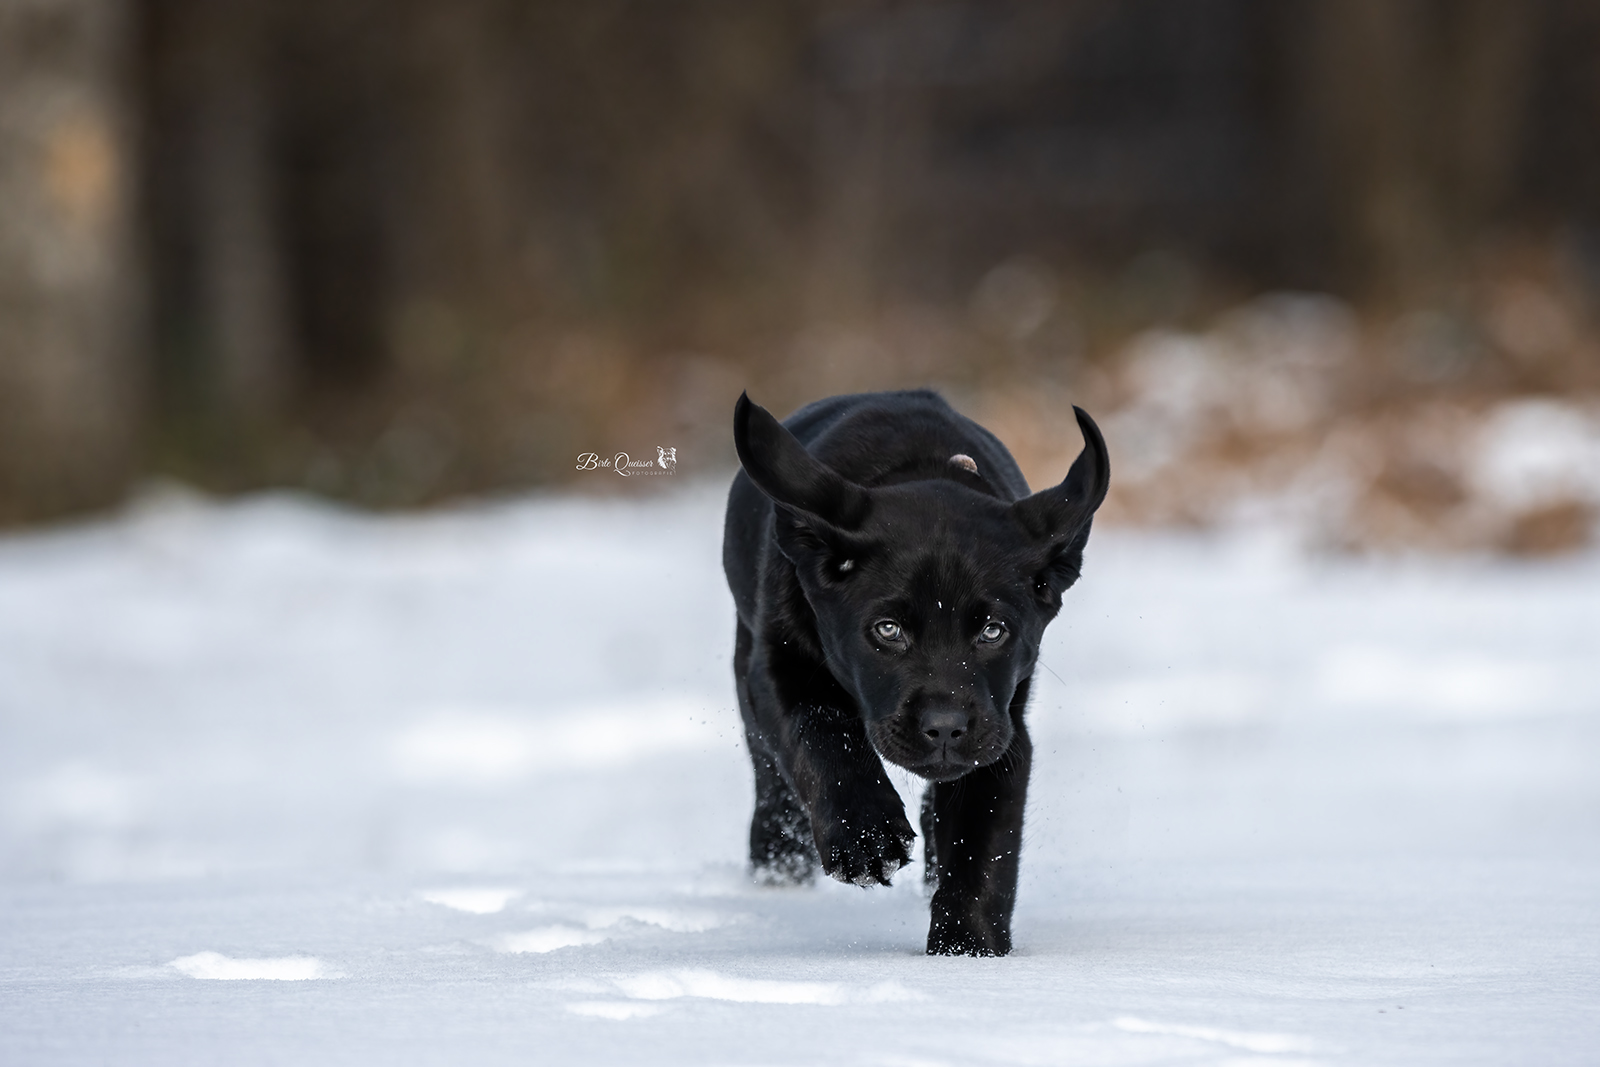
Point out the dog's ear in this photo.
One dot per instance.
(1059, 518)
(794, 479)
(817, 547)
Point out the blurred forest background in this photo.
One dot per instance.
(1331, 261)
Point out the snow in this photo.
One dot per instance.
(470, 787)
(217, 967)
(1535, 452)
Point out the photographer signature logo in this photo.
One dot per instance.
(666, 462)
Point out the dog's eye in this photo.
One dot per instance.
(992, 633)
(889, 630)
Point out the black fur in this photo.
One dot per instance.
(891, 604)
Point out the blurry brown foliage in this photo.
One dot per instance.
(398, 250)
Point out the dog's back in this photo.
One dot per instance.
(879, 439)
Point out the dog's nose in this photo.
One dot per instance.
(945, 724)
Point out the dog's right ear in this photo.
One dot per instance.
(782, 468)
(1059, 517)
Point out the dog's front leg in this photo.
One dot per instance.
(858, 821)
(977, 834)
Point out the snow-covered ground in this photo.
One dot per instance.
(468, 788)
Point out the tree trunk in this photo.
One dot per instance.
(69, 393)
(1416, 106)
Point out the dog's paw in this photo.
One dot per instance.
(957, 930)
(866, 849)
(949, 941)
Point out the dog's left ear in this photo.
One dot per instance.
(795, 479)
(1059, 517)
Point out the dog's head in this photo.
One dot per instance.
(930, 597)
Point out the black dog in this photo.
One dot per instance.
(893, 580)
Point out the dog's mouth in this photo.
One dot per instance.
(945, 770)
(935, 763)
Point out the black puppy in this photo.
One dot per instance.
(893, 579)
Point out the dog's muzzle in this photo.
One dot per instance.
(939, 741)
